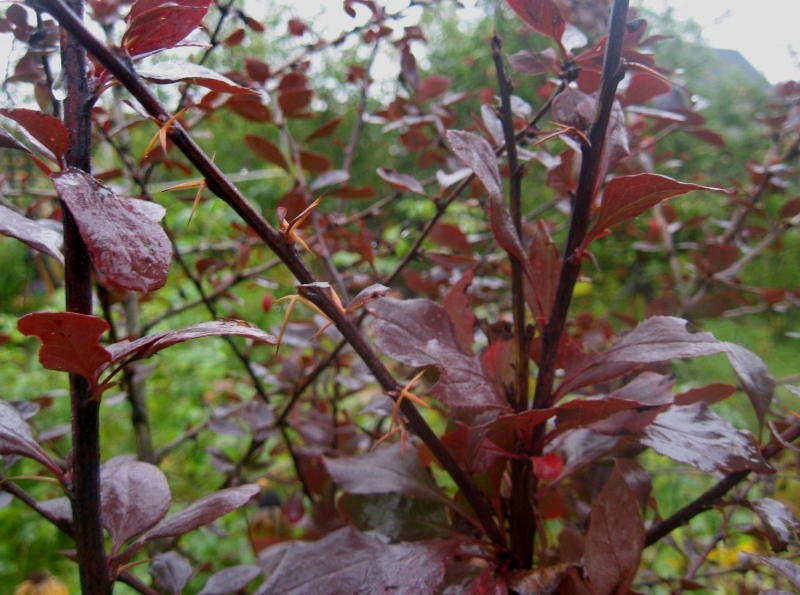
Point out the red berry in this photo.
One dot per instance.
(266, 302)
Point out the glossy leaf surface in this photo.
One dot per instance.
(33, 233)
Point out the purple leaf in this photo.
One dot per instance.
(173, 71)
(786, 569)
(134, 496)
(534, 63)
(401, 181)
(348, 561)
(201, 512)
(154, 25)
(147, 346)
(419, 333)
(70, 342)
(615, 539)
(132, 250)
(542, 15)
(36, 235)
(382, 471)
(699, 437)
(16, 438)
(230, 580)
(171, 572)
(46, 132)
(456, 302)
(756, 380)
(779, 522)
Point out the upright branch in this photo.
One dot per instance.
(588, 184)
(219, 184)
(84, 489)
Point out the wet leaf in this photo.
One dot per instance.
(134, 497)
(419, 333)
(70, 342)
(778, 520)
(456, 302)
(348, 561)
(708, 394)
(230, 580)
(155, 25)
(131, 249)
(33, 233)
(172, 71)
(699, 437)
(401, 181)
(16, 438)
(397, 517)
(46, 132)
(542, 15)
(786, 569)
(171, 572)
(383, 471)
(145, 347)
(615, 539)
(548, 466)
(627, 197)
(754, 377)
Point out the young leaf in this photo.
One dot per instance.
(778, 520)
(347, 561)
(627, 197)
(756, 380)
(230, 580)
(615, 539)
(132, 250)
(47, 132)
(699, 437)
(419, 333)
(542, 15)
(145, 347)
(134, 497)
(33, 233)
(16, 438)
(383, 471)
(155, 25)
(171, 572)
(172, 71)
(70, 342)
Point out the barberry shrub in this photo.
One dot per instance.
(443, 401)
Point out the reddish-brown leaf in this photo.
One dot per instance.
(249, 107)
(325, 130)
(450, 236)
(266, 150)
(542, 15)
(431, 87)
(235, 39)
(70, 342)
(456, 302)
(297, 27)
(401, 181)
(293, 102)
(316, 163)
(173, 71)
(546, 265)
(643, 87)
(155, 25)
(16, 438)
(709, 394)
(548, 466)
(614, 542)
(33, 233)
(257, 70)
(126, 244)
(47, 133)
(534, 63)
(627, 197)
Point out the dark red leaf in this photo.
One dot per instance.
(316, 163)
(173, 71)
(789, 209)
(708, 136)
(431, 87)
(348, 561)
(383, 471)
(401, 181)
(235, 39)
(33, 233)
(542, 15)
(134, 497)
(257, 70)
(516, 424)
(627, 197)
(170, 572)
(638, 479)
(757, 382)
(456, 302)
(294, 101)
(130, 248)
(266, 150)
(250, 108)
(408, 68)
(450, 236)
(545, 579)
(297, 27)
(154, 25)
(534, 63)
(709, 394)
(548, 466)
(46, 132)
(419, 333)
(778, 520)
(142, 348)
(615, 539)
(16, 438)
(70, 342)
(355, 192)
(393, 516)
(643, 87)
(546, 265)
(699, 437)
(786, 569)
(325, 130)
(230, 580)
